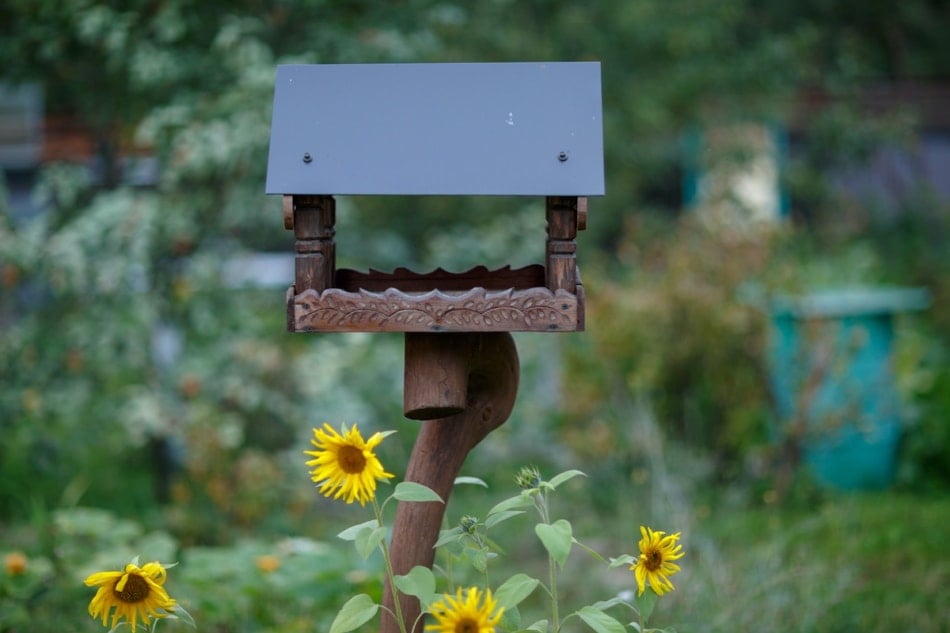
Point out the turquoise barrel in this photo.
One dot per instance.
(832, 374)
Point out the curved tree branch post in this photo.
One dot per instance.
(463, 386)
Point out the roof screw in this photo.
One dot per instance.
(562, 156)
(307, 158)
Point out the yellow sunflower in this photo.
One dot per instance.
(135, 592)
(458, 615)
(344, 463)
(655, 566)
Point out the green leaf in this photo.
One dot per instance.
(521, 501)
(478, 558)
(560, 478)
(368, 540)
(557, 539)
(626, 559)
(498, 517)
(419, 582)
(350, 533)
(541, 626)
(412, 491)
(646, 602)
(357, 611)
(603, 605)
(600, 621)
(448, 535)
(510, 620)
(178, 612)
(515, 589)
(475, 481)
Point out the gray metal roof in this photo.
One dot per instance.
(437, 129)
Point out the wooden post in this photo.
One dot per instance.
(315, 263)
(561, 251)
(490, 384)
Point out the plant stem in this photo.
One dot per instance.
(552, 565)
(541, 503)
(483, 546)
(389, 572)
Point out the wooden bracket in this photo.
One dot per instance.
(471, 380)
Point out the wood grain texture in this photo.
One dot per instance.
(313, 225)
(560, 249)
(436, 374)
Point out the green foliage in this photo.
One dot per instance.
(860, 562)
(262, 586)
(685, 326)
(668, 328)
(255, 585)
(468, 548)
(60, 550)
(908, 248)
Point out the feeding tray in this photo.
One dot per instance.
(498, 129)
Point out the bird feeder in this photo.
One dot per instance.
(512, 129)
(469, 129)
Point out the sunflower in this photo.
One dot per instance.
(455, 615)
(344, 463)
(135, 592)
(657, 551)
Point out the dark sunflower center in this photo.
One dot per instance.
(654, 559)
(351, 460)
(466, 625)
(135, 590)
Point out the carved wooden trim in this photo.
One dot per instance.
(475, 310)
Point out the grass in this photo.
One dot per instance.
(873, 562)
(869, 563)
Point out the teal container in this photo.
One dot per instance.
(833, 381)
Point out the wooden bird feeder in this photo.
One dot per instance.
(502, 129)
(505, 129)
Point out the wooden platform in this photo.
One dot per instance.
(477, 300)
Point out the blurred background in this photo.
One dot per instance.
(765, 366)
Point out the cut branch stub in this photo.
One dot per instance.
(436, 374)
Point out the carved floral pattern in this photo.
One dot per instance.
(474, 310)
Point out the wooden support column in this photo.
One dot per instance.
(313, 225)
(490, 384)
(561, 250)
